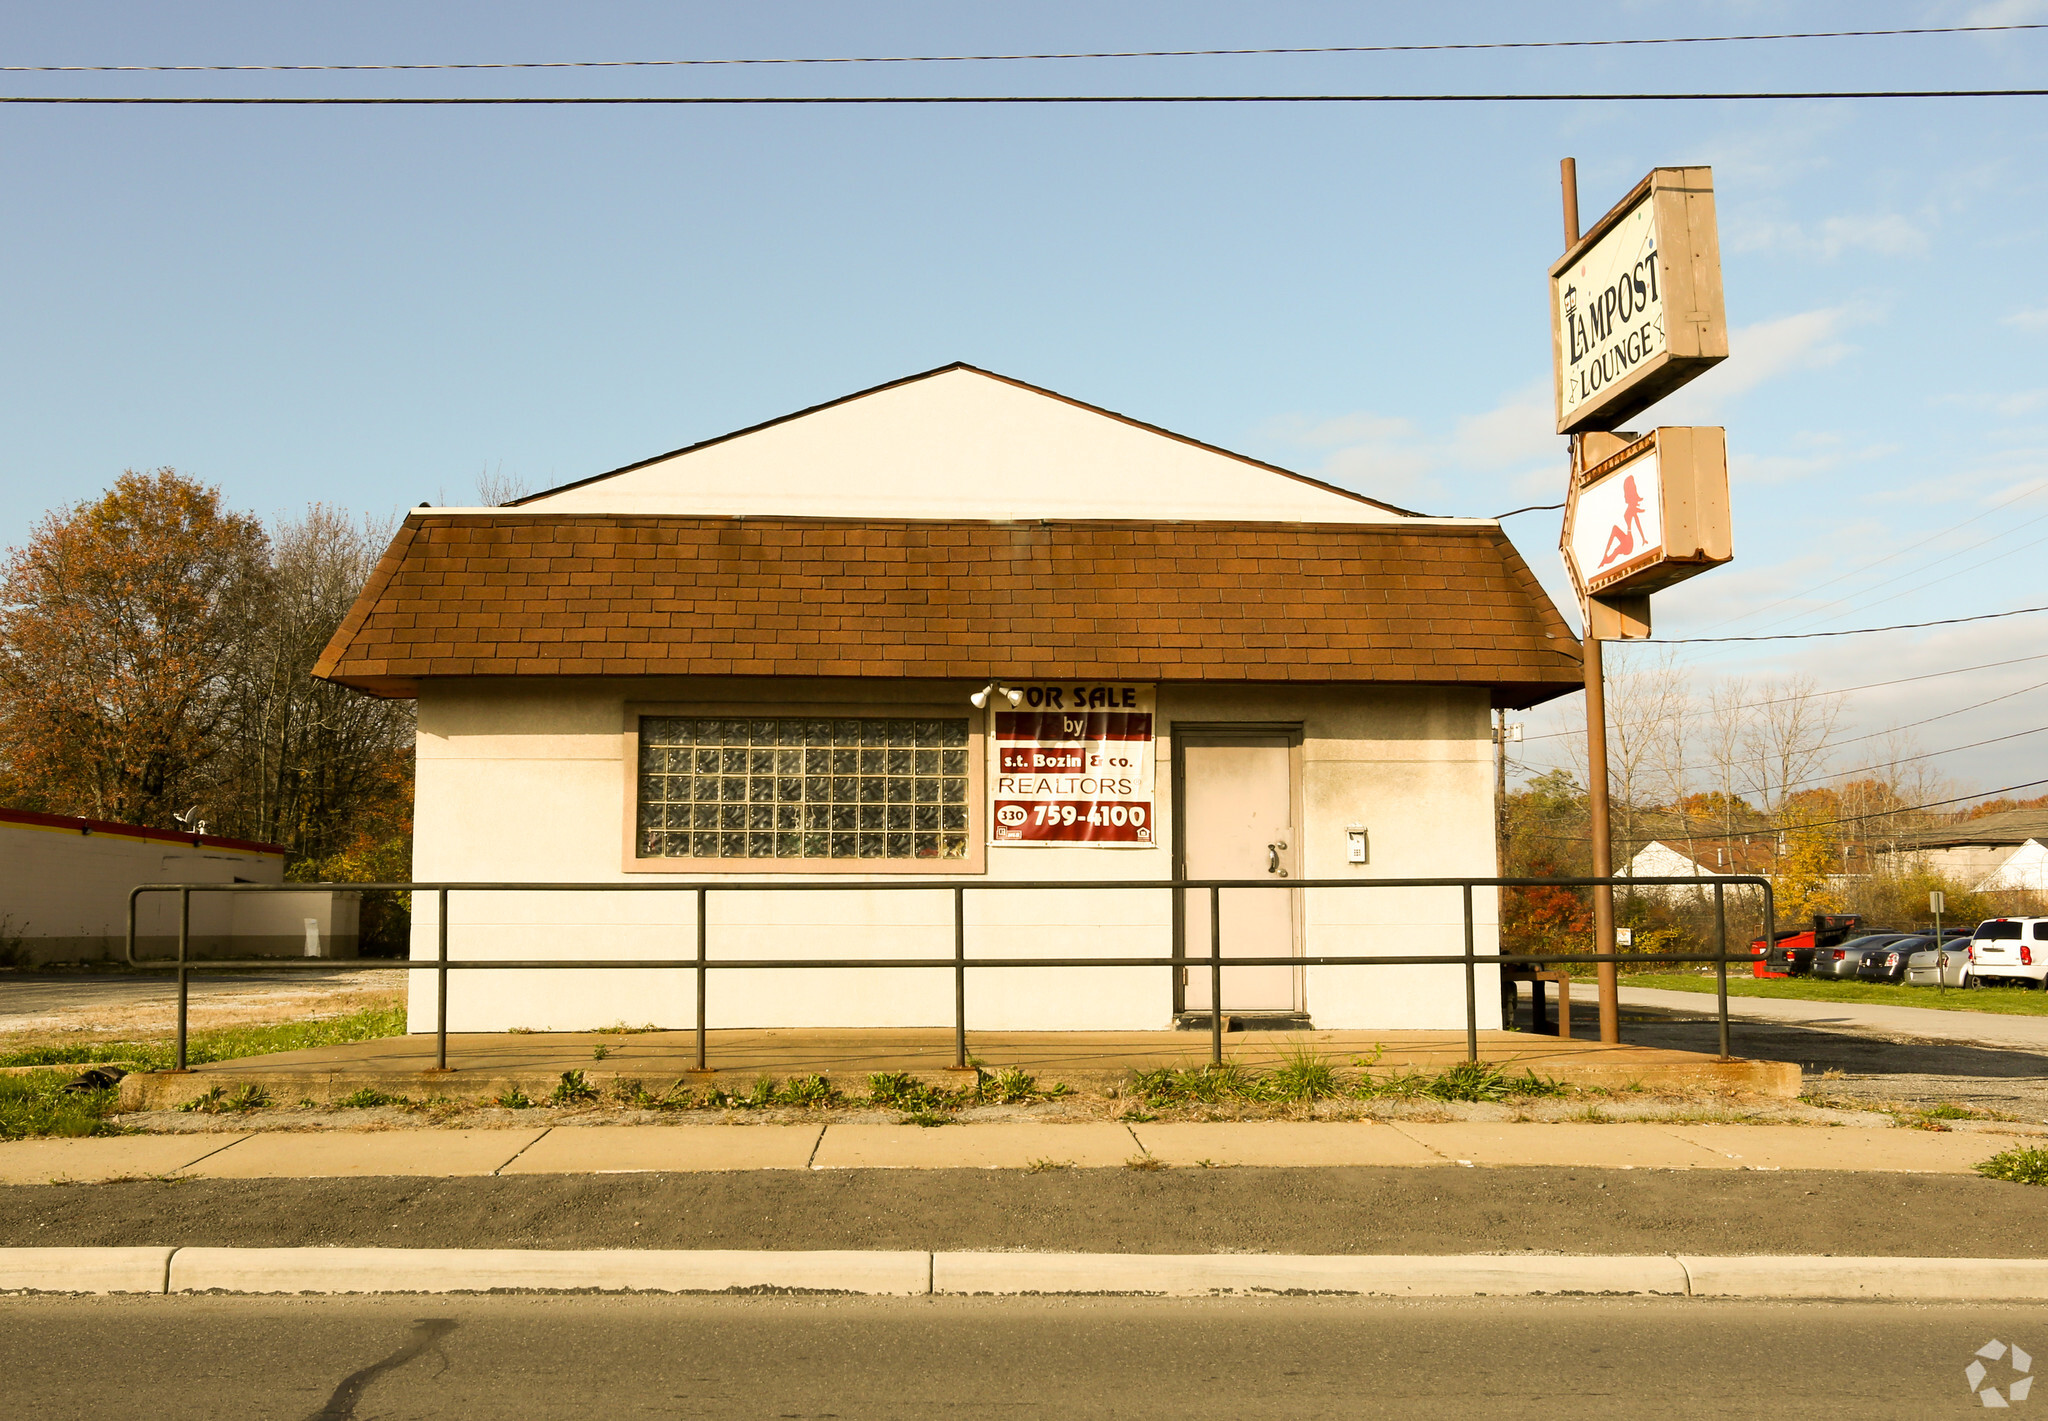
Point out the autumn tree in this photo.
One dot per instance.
(121, 622)
(320, 769)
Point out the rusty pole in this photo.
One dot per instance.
(1596, 726)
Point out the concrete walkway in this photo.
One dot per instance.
(485, 1065)
(2026, 1033)
(619, 1149)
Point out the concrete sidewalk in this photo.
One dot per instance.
(2025, 1033)
(620, 1149)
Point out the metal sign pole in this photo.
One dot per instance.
(1596, 725)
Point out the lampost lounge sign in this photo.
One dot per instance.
(1635, 305)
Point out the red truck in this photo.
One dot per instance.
(1789, 951)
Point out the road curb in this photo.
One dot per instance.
(451, 1270)
(1391, 1275)
(919, 1274)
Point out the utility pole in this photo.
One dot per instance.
(1596, 722)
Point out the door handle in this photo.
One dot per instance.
(1273, 858)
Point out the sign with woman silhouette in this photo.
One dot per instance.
(1653, 513)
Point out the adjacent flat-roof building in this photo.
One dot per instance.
(752, 660)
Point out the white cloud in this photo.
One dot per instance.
(2035, 319)
(2007, 12)
(1806, 340)
(1812, 454)
(2016, 402)
(1884, 234)
(1384, 456)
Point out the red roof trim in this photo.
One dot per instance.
(135, 831)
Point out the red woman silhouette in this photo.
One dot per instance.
(1619, 543)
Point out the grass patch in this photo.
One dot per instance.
(1047, 1166)
(2021, 1166)
(1014, 1086)
(898, 1090)
(224, 1043)
(2007, 1001)
(369, 1098)
(217, 1101)
(36, 1103)
(1144, 1162)
(1304, 1076)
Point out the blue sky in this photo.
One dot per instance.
(372, 307)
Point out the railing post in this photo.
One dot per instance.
(959, 978)
(184, 978)
(441, 984)
(1471, 985)
(1721, 960)
(1215, 976)
(702, 974)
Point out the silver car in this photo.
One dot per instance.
(1954, 965)
(1843, 961)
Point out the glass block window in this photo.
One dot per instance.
(799, 787)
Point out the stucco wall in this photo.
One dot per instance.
(64, 898)
(524, 781)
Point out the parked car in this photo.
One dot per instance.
(1888, 961)
(2012, 951)
(1953, 965)
(1789, 953)
(1847, 960)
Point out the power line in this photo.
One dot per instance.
(1951, 556)
(1889, 557)
(1532, 508)
(1844, 691)
(1846, 631)
(997, 58)
(773, 100)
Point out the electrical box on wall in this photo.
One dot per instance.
(1354, 843)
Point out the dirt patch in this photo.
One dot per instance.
(1361, 1210)
(75, 1008)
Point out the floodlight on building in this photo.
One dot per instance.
(1010, 693)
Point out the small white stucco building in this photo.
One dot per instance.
(753, 661)
(64, 886)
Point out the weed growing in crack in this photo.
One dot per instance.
(513, 1098)
(572, 1089)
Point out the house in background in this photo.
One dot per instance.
(2025, 870)
(1658, 859)
(766, 659)
(64, 887)
(1974, 850)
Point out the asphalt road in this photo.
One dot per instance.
(539, 1358)
(1427, 1209)
(1984, 1028)
(29, 994)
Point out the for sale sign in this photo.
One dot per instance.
(1073, 765)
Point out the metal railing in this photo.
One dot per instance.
(703, 964)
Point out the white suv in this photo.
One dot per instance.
(2010, 950)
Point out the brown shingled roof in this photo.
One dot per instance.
(532, 594)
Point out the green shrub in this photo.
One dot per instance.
(2018, 1166)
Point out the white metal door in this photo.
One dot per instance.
(1237, 817)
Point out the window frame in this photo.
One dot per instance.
(975, 862)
